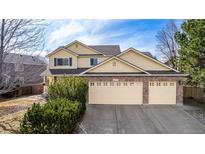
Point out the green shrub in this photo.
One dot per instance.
(71, 88)
(58, 116)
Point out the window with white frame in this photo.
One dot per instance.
(93, 61)
(63, 61)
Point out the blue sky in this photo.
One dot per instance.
(139, 34)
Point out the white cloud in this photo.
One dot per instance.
(66, 30)
(74, 28)
(40, 53)
(94, 32)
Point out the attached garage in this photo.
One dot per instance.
(162, 92)
(115, 92)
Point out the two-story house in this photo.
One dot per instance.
(21, 71)
(115, 77)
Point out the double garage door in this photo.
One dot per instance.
(115, 92)
(131, 92)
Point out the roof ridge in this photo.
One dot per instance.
(106, 45)
(22, 54)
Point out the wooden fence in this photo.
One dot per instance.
(196, 93)
(26, 90)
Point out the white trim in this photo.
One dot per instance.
(133, 49)
(76, 41)
(174, 75)
(61, 48)
(109, 59)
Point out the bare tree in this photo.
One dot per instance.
(17, 36)
(167, 46)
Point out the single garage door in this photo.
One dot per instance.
(162, 92)
(115, 92)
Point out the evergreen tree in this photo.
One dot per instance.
(191, 40)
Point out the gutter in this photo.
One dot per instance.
(174, 75)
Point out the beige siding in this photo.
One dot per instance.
(116, 94)
(80, 49)
(85, 61)
(162, 92)
(141, 61)
(62, 54)
(50, 79)
(119, 67)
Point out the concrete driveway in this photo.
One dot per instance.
(135, 119)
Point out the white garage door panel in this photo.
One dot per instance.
(117, 94)
(162, 93)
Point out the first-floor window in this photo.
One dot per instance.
(63, 61)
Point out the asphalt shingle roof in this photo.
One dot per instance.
(164, 72)
(63, 71)
(25, 59)
(107, 49)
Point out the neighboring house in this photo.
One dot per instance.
(21, 70)
(115, 77)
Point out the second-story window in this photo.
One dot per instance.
(93, 61)
(63, 61)
(19, 67)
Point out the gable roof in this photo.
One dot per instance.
(62, 48)
(110, 50)
(114, 57)
(146, 56)
(98, 52)
(25, 59)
